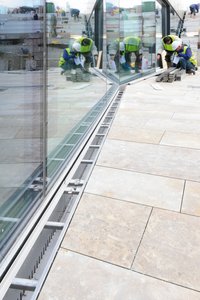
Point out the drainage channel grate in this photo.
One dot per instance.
(32, 273)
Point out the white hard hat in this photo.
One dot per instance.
(121, 46)
(176, 44)
(76, 46)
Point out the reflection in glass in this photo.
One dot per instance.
(75, 91)
(21, 116)
(131, 49)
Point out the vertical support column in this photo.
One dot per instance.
(198, 49)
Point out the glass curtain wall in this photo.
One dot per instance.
(131, 39)
(21, 115)
(52, 95)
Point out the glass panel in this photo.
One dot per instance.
(174, 23)
(20, 116)
(112, 27)
(76, 89)
(130, 29)
(159, 34)
(162, 28)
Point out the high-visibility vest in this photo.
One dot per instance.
(132, 44)
(86, 48)
(168, 47)
(62, 60)
(192, 59)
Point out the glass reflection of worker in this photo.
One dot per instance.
(129, 45)
(167, 45)
(70, 59)
(87, 49)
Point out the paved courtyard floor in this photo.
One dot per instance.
(136, 231)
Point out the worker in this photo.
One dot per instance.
(184, 57)
(75, 13)
(129, 45)
(88, 50)
(70, 60)
(167, 45)
(194, 8)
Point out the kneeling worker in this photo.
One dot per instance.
(129, 45)
(68, 60)
(167, 45)
(185, 57)
(87, 50)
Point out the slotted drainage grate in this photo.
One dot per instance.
(31, 275)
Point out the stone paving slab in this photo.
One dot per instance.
(135, 187)
(84, 278)
(170, 249)
(134, 134)
(181, 139)
(191, 199)
(160, 160)
(107, 229)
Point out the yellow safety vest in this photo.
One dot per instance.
(168, 47)
(192, 59)
(86, 48)
(132, 44)
(62, 60)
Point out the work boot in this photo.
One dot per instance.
(86, 67)
(169, 64)
(79, 75)
(73, 75)
(192, 71)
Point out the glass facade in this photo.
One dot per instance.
(59, 64)
(21, 117)
(49, 102)
(130, 32)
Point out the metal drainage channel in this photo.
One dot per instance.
(32, 273)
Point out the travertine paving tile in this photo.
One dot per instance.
(128, 133)
(181, 139)
(126, 111)
(154, 159)
(187, 116)
(191, 126)
(74, 276)
(107, 229)
(151, 105)
(175, 100)
(170, 249)
(191, 199)
(136, 187)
